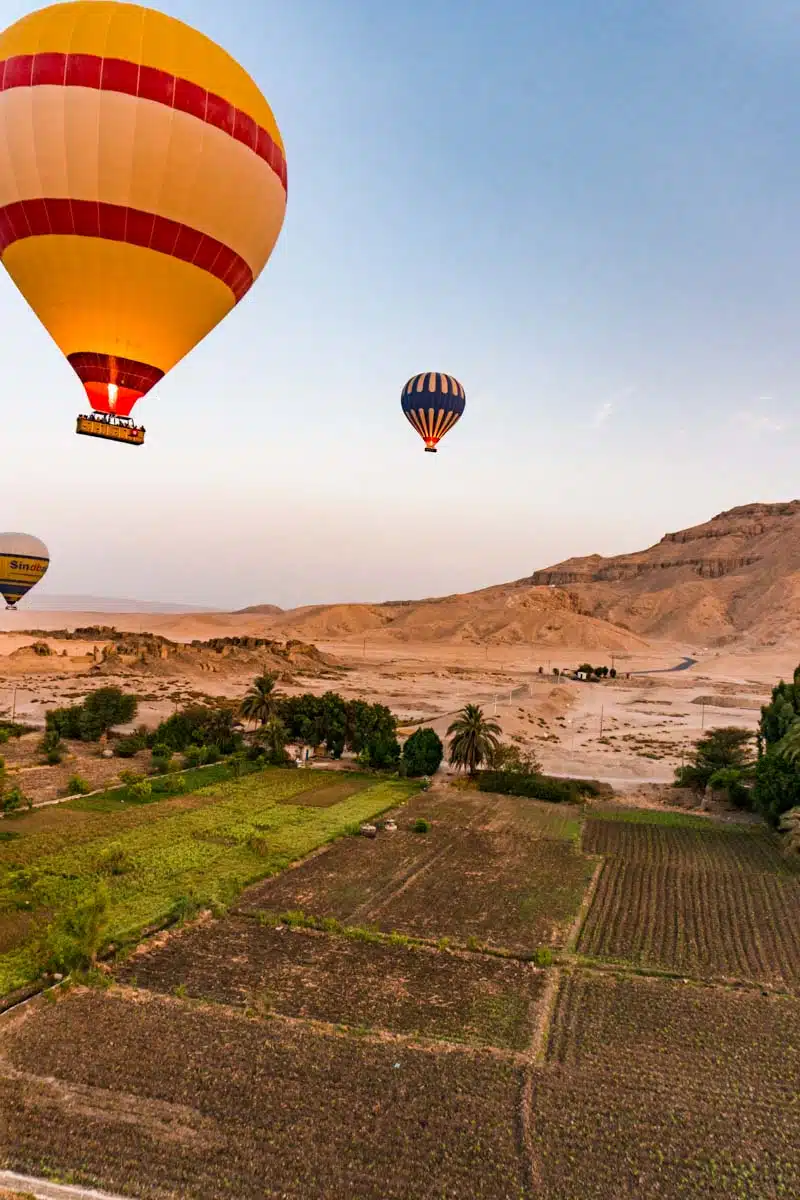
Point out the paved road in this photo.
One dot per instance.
(683, 665)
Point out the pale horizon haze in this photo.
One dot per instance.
(586, 211)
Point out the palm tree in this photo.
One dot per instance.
(273, 737)
(261, 701)
(474, 738)
(789, 745)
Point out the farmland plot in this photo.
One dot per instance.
(207, 845)
(704, 923)
(152, 1097)
(655, 1088)
(302, 973)
(485, 872)
(709, 848)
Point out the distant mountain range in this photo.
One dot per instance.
(49, 602)
(735, 578)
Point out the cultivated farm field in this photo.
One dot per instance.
(181, 851)
(706, 902)
(460, 1012)
(490, 871)
(658, 1087)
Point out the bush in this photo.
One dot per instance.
(169, 785)
(729, 780)
(198, 725)
(130, 744)
(53, 758)
(193, 757)
(423, 752)
(537, 787)
(717, 750)
(14, 800)
(73, 940)
(161, 759)
(78, 786)
(209, 755)
(421, 825)
(115, 860)
(141, 791)
(65, 722)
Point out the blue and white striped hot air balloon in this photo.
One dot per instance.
(433, 403)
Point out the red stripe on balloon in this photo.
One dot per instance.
(107, 368)
(114, 222)
(146, 83)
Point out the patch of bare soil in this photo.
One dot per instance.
(469, 998)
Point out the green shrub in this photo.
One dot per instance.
(14, 800)
(73, 940)
(4, 736)
(169, 785)
(141, 791)
(78, 786)
(209, 755)
(65, 722)
(193, 757)
(53, 758)
(115, 860)
(131, 743)
(421, 825)
(537, 787)
(161, 759)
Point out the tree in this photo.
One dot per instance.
(382, 751)
(105, 708)
(789, 745)
(423, 752)
(260, 703)
(473, 738)
(718, 750)
(777, 786)
(273, 737)
(506, 757)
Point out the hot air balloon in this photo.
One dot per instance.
(23, 561)
(433, 403)
(142, 190)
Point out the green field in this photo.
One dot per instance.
(204, 846)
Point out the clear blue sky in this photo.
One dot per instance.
(586, 210)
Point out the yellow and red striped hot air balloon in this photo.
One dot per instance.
(142, 189)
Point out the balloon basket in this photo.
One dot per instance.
(430, 449)
(113, 429)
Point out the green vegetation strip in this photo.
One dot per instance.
(167, 857)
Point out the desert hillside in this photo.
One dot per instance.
(735, 577)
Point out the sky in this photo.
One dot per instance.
(586, 211)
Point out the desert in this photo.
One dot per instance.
(454, 978)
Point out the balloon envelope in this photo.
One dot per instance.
(433, 403)
(23, 561)
(142, 187)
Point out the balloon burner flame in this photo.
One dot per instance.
(112, 396)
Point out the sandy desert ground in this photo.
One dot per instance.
(628, 731)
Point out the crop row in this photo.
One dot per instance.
(240, 832)
(480, 875)
(161, 1098)
(345, 980)
(698, 922)
(711, 848)
(719, 1037)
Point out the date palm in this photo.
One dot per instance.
(261, 700)
(473, 738)
(789, 745)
